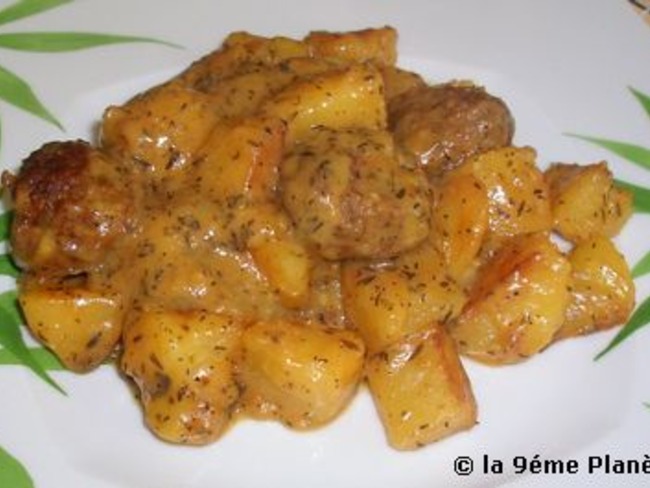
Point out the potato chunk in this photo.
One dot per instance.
(398, 81)
(241, 93)
(376, 45)
(265, 50)
(387, 301)
(339, 99)
(602, 289)
(159, 130)
(517, 302)
(585, 201)
(183, 365)
(240, 160)
(286, 264)
(301, 375)
(518, 196)
(80, 326)
(240, 52)
(460, 222)
(421, 390)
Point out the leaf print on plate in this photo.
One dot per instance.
(5, 223)
(17, 92)
(54, 42)
(47, 360)
(636, 154)
(27, 8)
(641, 196)
(639, 319)
(643, 99)
(12, 473)
(7, 266)
(642, 267)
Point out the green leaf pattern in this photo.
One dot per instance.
(642, 267)
(17, 92)
(54, 42)
(26, 8)
(639, 319)
(5, 222)
(12, 473)
(643, 99)
(7, 266)
(641, 196)
(636, 154)
(45, 359)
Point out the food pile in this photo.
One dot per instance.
(286, 220)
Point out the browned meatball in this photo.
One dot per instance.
(444, 124)
(350, 195)
(70, 206)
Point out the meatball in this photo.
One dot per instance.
(442, 125)
(71, 204)
(350, 195)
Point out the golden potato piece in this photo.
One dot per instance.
(159, 130)
(421, 390)
(376, 302)
(585, 201)
(387, 301)
(376, 45)
(398, 81)
(241, 94)
(300, 375)
(240, 160)
(602, 289)
(287, 265)
(80, 326)
(460, 222)
(240, 53)
(518, 195)
(339, 99)
(517, 303)
(266, 50)
(183, 365)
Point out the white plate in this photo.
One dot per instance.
(563, 66)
